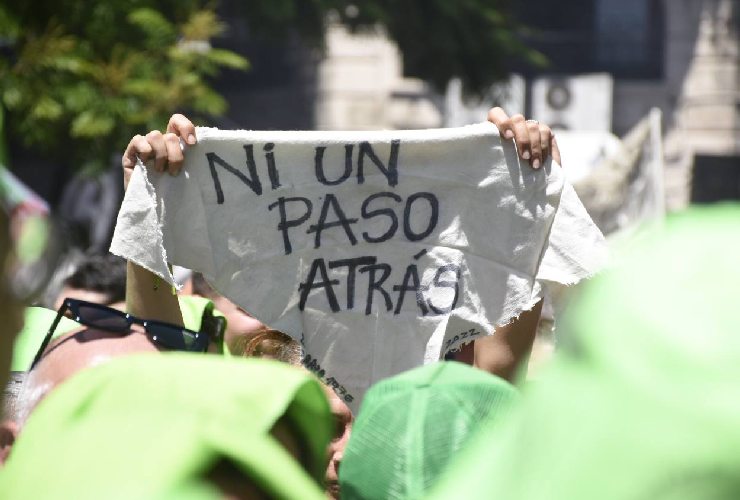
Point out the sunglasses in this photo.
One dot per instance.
(106, 318)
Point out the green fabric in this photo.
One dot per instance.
(641, 402)
(146, 426)
(410, 426)
(37, 321)
(194, 309)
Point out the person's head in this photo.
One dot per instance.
(270, 344)
(84, 348)
(144, 426)
(276, 345)
(240, 325)
(97, 278)
(65, 356)
(411, 426)
(107, 333)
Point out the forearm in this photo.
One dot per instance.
(150, 297)
(506, 352)
(147, 296)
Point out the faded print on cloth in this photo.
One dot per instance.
(378, 251)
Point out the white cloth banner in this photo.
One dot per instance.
(378, 251)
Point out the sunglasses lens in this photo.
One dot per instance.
(173, 337)
(105, 319)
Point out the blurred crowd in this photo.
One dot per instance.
(205, 401)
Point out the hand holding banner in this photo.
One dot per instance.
(378, 251)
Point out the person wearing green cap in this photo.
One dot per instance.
(82, 346)
(410, 426)
(120, 431)
(68, 354)
(641, 399)
(100, 279)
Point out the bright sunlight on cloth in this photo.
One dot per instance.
(378, 251)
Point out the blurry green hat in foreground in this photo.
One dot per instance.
(410, 426)
(642, 399)
(153, 426)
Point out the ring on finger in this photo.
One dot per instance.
(532, 121)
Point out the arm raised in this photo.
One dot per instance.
(147, 296)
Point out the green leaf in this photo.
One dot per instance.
(227, 58)
(209, 102)
(12, 97)
(202, 25)
(154, 25)
(144, 87)
(9, 26)
(90, 124)
(47, 109)
(72, 64)
(80, 96)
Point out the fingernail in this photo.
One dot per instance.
(191, 139)
(526, 155)
(536, 163)
(509, 134)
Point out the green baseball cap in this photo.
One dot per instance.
(410, 426)
(149, 426)
(641, 399)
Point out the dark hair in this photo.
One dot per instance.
(101, 273)
(201, 286)
(269, 343)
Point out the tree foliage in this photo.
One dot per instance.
(79, 77)
(475, 40)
